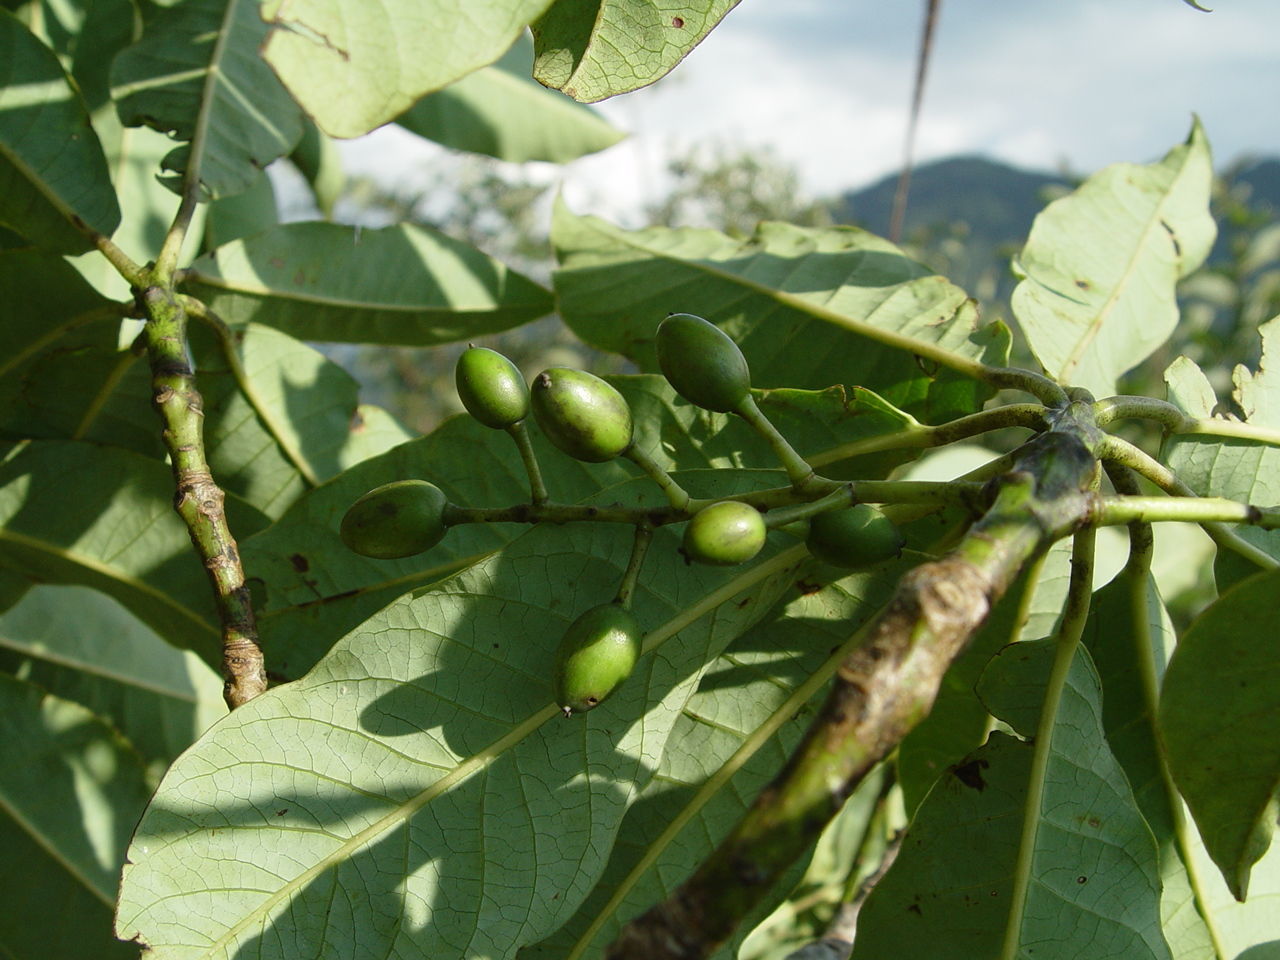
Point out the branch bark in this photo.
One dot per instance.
(882, 690)
(198, 499)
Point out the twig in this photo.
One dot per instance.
(199, 500)
(884, 688)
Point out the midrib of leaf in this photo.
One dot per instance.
(429, 575)
(481, 760)
(98, 670)
(1095, 326)
(110, 573)
(923, 348)
(294, 296)
(108, 312)
(213, 74)
(1063, 656)
(29, 175)
(290, 449)
(103, 395)
(54, 853)
(1145, 653)
(717, 781)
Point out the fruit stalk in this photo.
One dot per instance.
(199, 500)
(883, 688)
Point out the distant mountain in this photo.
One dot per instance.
(996, 201)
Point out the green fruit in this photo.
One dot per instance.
(395, 520)
(725, 533)
(853, 536)
(491, 388)
(581, 414)
(598, 652)
(702, 363)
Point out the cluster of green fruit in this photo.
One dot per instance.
(589, 420)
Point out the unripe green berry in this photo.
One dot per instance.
(597, 653)
(702, 363)
(395, 520)
(724, 533)
(491, 388)
(853, 536)
(581, 414)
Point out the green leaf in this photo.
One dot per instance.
(313, 588)
(423, 765)
(196, 73)
(864, 313)
(63, 368)
(86, 35)
(1099, 271)
(118, 533)
(280, 417)
(403, 284)
(242, 215)
(598, 50)
(501, 112)
(71, 789)
(1236, 468)
(734, 735)
(1015, 849)
(1220, 720)
(356, 64)
(318, 160)
(53, 173)
(84, 646)
(1130, 637)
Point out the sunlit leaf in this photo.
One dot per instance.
(84, 646)
(808, 307)
(71, 790)
(356, 64)
(403, 284)
(423, 771)
(312, 586)
(732, 738)
(501, 112)
(1099, 271)
(598, 50)
(118, 534)
(53, 174)
(1239, 469)
(196, 73)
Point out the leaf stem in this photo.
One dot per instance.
(675, 494)
(1030, 415)
(1116, 510)
(639, 548)
(798, 470)
(1175, 421)
(537, 489)
(135, 275)
(1120, 451)
(1038, 385)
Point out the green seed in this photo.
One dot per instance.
(853, 536)
(491, 388)
(702, 363)
(395, 520)
(598, 652)
(581, 414)
(725, 533)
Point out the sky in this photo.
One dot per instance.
(826, 85)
